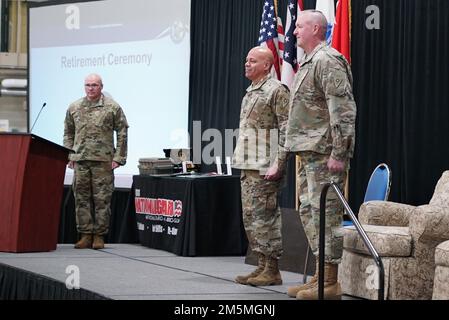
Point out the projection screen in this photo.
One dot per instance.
(140, 48)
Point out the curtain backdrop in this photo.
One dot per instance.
(400, 87)
(401, 83)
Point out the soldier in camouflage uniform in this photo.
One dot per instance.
(321, 129)
(89, 131)
(260, 154)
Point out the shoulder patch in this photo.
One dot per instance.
(336, 82)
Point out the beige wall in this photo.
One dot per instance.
(14, 27)
(12, 108)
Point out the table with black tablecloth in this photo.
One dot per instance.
(190, 215)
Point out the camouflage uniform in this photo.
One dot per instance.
(322, 124)
(89, 131)
(263, 120)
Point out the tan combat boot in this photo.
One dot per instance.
(293, 291)
(255, 273)
(98, 242)
(85, 242)
(270, 275)
(332, 289)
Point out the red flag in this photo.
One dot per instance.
(341, 38)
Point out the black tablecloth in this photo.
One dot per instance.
(122, 225)
(190, 216)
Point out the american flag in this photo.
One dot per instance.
(292, 54)
(271, 35)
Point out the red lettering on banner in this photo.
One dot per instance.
(138, 204)
(159, 206)
(170, 208)
(178, 208)
(163, 207)
(146, 205)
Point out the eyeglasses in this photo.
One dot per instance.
(92, 85)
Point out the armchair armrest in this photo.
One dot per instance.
(430, 223)
(385, 213)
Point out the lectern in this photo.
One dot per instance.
(32, 173)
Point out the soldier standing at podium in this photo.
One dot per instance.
(89, 130)
(260, 155)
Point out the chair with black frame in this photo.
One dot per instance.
(378, 188)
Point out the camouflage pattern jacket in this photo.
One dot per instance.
(322, 107)
(89, 131)
(263, 120)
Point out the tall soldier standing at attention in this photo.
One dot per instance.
(89, 130)
(321, 129)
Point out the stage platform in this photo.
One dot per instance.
(130, 272)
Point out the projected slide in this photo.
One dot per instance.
(140, 48)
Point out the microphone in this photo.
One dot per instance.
(45, 103)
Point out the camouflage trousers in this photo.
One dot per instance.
(93, 184)
(312, 175)
(261, 213)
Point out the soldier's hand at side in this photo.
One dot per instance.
(71, 165)
(115, 165)
(335, 165)
(273, 173)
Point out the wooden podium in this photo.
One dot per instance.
(32, 173)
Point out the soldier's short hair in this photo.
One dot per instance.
(94, 75)
(320, 19)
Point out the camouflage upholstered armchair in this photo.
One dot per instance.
(405, 237)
